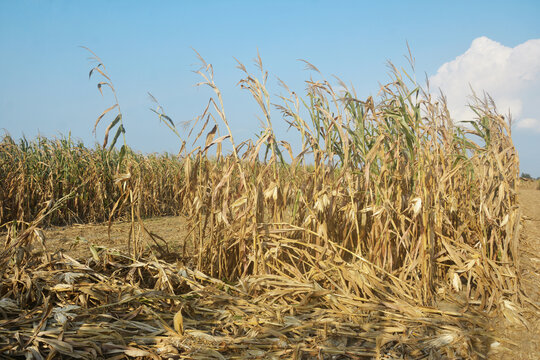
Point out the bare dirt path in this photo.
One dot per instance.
(76, 240)
(524, 343)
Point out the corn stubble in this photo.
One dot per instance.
(388, 234)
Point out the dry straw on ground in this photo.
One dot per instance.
(114, 307)
(384, 236)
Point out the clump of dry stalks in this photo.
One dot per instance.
(384, 236)
(397, 201)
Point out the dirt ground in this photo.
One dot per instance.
(517, 342)
(76, 240)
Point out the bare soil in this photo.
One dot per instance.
(169, 232)
(515, 341)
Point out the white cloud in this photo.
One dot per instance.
(529, 123)
(511, 76)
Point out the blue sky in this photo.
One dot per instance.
(147, 47)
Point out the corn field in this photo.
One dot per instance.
(34, 172)
(344, 246)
